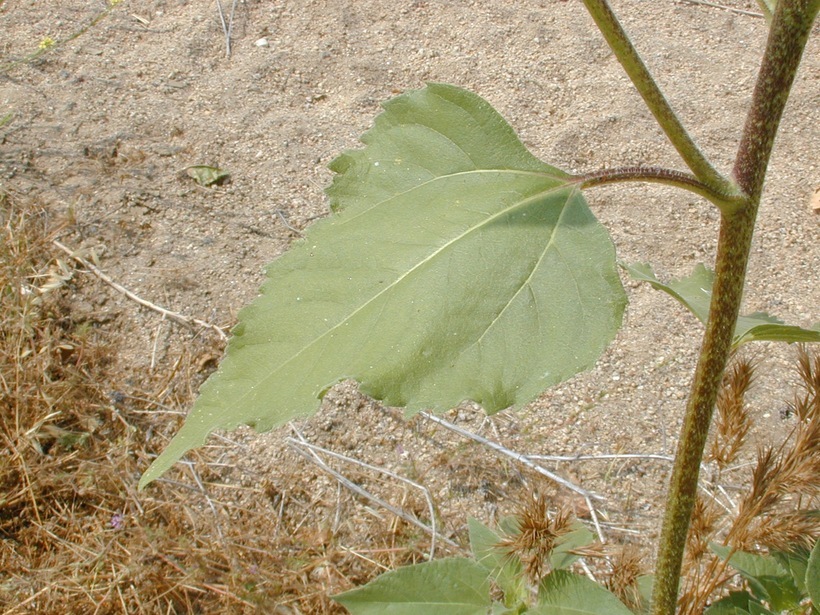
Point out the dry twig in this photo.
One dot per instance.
(299, 444)
(725, 8)
(525, 460)
(176, 317)
(227, 28)
(520, 457)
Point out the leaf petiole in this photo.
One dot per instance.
(727, 202)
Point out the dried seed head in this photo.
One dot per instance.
(807, 406)
(732, 421)
(705, 518)
(623, 580)
(537, 536)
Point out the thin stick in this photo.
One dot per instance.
(594, 516)
(227, 29)
(177, 318)
(430, 507)
(668, 458)
(287, 224)
(587, 570)
(521, 458)
(597, 457)
(367, 559)
(154, 347)
(27, 600)
(230, 21)
(312, 455)
(725, 8)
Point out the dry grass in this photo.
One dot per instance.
(76, 430)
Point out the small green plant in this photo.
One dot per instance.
(527, 558)
(526, 563)
(457, 266)
(524, 568)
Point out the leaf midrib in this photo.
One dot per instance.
(564, 181)
(418, 265)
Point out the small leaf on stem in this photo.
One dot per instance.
(695, 293)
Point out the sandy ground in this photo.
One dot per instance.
(105, 125)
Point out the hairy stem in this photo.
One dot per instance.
(632, 63)
(670, 177)
(787, 38)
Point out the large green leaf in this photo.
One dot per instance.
(695, 293)
(796, 563)
(565, 593)
(503, 568)
(457, 267)
(813, 576)
(767, 578)
(737, 603)
(455, 586)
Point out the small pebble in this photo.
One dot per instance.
(262, 42)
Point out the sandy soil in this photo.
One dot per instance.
(105, 125)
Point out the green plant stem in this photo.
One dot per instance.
(670, 177)
(790, 29)
(627, 55)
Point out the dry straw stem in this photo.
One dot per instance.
(166, 313)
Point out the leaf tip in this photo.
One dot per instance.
(186, 439)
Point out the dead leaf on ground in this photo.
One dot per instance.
(206, 175)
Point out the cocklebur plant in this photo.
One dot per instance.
(778, 582)
(724, 571)
(457, 266)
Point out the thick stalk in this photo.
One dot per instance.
(670, 177)
(666, 117)
(787, 38)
